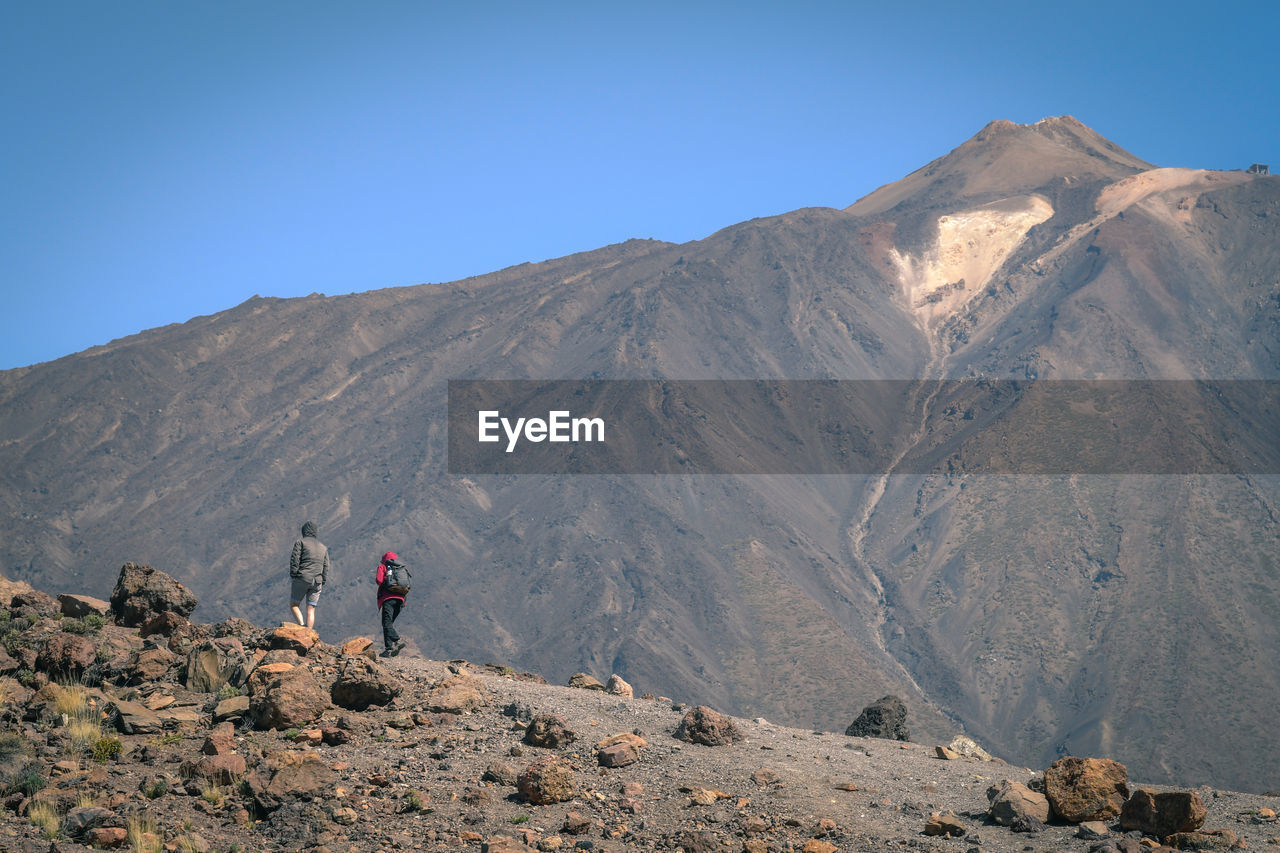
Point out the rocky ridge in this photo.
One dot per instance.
(126, 725)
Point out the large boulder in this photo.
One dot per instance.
(293, 637)
(1012, 801)
(288, 776)
(550, 780)
(361, 683)
(213, 664)
(1081, 789)
(1162, 814)
(706, 726)
(142, 592)
(151, 664)
(885, 718)
(66, 655)
(456, 694)
(35, 603)
(290, 700)
(79, 606)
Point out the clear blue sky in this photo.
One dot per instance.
(162, 160)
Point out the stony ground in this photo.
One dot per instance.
(411, 777)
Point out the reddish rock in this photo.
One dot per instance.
(360, 647)
(223, 769)
(291, 700)
(550, 780)
(265, 674)
(151, 665)
(108, 837)
(1081, 789)
(1212, 839)
(706, 726)
(35, 602)
(220, 740)
(167, 624)
(288, 776)
(67, 655)
(296, 638)
(232, 708)
(549, 731)
(361, 683)
(456, 694)
(1162, 814)
(817, 845)
(79, 606)
(1012, 801)
(944, 825)
(617, 755)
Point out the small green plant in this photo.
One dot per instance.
(29, 783)
(44, 815)
(229, 690)
(26, 677)
(155, 789)
(32, 619)
(72, 625)
(290, 734)
(107, 748)
(169, 739)
(234, 848)
(520, 818)
(94, 622)
(415, 800)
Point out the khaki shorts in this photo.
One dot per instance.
(301, 588)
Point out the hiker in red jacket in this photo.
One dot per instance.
(390, 600)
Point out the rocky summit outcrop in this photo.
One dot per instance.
(884, 718)
(307, 747)
(142, 593)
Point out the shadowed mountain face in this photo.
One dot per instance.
(1128, 616)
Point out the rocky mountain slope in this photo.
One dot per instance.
(128, 726)
(1043, 615)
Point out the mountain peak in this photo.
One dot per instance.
(1004, 159)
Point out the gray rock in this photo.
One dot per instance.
(142, 592)
(885, 718)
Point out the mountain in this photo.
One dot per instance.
(1043, 614)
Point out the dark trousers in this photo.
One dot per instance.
(390, 610)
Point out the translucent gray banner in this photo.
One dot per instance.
(864, 427)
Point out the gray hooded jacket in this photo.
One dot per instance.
(310, 558)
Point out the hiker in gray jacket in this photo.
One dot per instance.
(308, 572)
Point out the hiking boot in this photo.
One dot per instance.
(395, 649)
